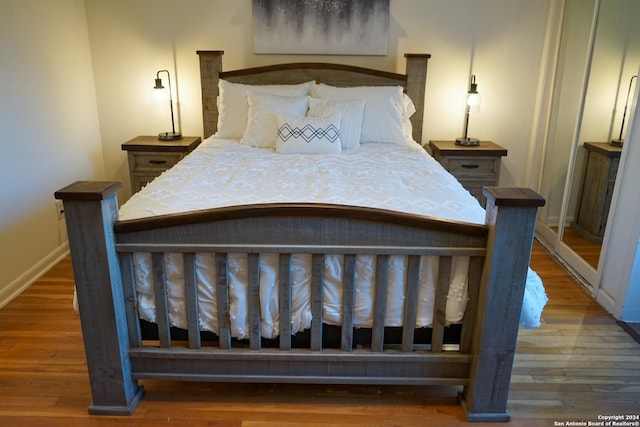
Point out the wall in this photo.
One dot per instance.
(500, 41)
(50, 134)
(616, 57)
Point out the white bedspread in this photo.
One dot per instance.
(401, 177)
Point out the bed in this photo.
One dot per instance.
(310, 257)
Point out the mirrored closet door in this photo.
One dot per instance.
(598, 59)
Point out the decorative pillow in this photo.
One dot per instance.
(383, 109)
(233, 108)
(262, 127)
(309, 135)
(351, 113)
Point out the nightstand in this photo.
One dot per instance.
(475, 167)
(601, 167)
(149, 157)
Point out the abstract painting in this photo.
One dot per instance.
(335, 27)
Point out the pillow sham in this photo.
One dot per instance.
(262, 125)
(383, 109)
(309, 135)
(233, 107)
(351, 114)
(408, 110)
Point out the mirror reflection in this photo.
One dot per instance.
(614, 64)
(566, 106)
(581, 163)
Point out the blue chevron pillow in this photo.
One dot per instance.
(308, 135)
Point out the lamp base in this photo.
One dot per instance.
(468, 142)
(169, 136)
(617, 142)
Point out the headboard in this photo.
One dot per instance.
(414, 81)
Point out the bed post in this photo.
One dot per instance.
(416, 87)
(510, 215)
(91, 208)
(210, 68)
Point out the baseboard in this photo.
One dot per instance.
(26, 279)
(605, 300)
(633, 329)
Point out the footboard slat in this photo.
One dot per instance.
(411, 303)
(380, 303)
(284, 300)
(191, 299)
(105, 283)
(317, 297)
(253, 302)
(440, 306)
(475, 276)
(348, 301)
(130, 298)
(160, 290)
(222, 291)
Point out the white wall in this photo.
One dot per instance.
(49, 129)
(500, 41)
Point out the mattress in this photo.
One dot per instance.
(399, 177)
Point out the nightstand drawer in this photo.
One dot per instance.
(154, 161)
(149, 157)
(473, 166)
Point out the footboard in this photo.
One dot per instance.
(102, 249)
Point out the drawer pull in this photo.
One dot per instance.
(470, 166)
(158, 162)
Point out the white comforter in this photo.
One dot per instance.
(401, 177)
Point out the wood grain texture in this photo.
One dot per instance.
(413, 81)
(596, 190)
(578, 365)
(96, 236)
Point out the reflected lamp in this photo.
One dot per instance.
(619, 142)
(159, 91)
(472, 106)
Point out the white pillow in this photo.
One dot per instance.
(408, 110)
(383, 109)
(262, 126)
(351, 113)
(309, 135)
(233, 108)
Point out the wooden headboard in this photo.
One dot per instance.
(413, 81)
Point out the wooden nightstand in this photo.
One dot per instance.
(149, 157)
(601, 167)
(475, 167)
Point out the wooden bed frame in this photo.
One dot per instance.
(118, 355)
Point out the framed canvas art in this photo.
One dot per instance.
(332, 27)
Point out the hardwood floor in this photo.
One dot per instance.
(580, 364)
(589, 251)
